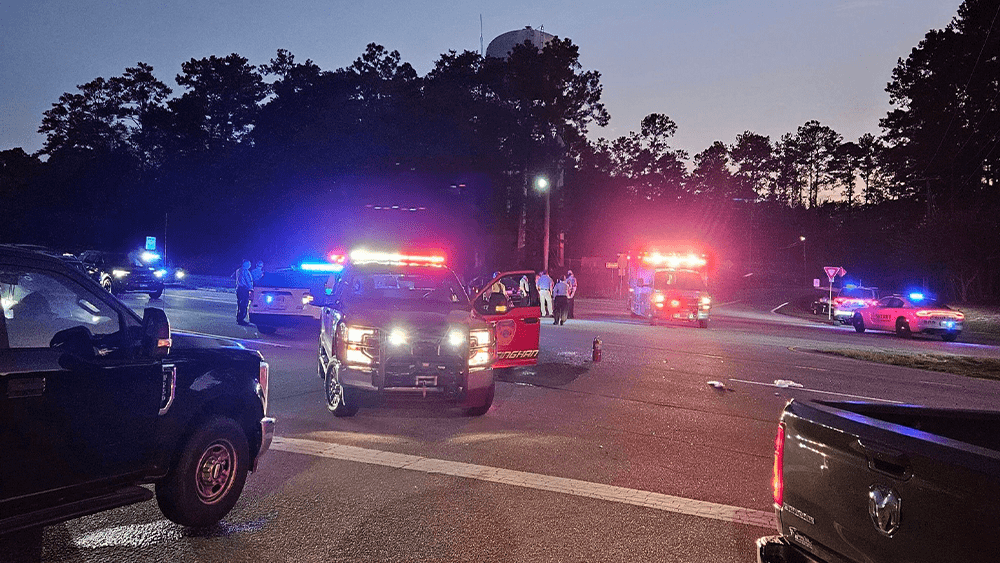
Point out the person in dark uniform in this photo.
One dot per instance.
(244, 287)
(560, 292)
(571, 294)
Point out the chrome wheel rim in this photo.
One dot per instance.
(334, 390)
(216, 471)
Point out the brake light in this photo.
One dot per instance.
(778, 475)
(840, 300)
(924, 313)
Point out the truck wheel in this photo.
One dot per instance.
(482, 409)
(859, 323)
(950, 336)
(208, 477)
(702, 323)
(156, 294)
(903, 328)
(341, 400)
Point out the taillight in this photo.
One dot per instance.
(778, 476)
(262, 382)
(840, 300)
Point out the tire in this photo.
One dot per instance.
(106, 284)
(207, 478)
(859, 323)
(266, 329)
(156, 294)
(903, 328)
(950, 336)
(487, 402)
(702, 323)
(342, 401)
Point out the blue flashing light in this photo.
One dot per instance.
(850, 286)
(269, 298)
(917, 296)
(321, 267)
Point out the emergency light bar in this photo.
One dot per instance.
(692, 261)
(321, 267)
(361, 255)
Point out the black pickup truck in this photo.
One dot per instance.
(96, 402)
(874, 483)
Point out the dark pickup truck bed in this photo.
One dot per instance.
(872, 483)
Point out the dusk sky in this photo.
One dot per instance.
(715, 67)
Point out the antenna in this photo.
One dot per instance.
(481, 53)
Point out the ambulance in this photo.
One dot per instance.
(669, 286)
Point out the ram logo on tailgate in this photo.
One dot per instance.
(884, 506)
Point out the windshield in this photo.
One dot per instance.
(678, 279)
(294, 279)
(425, 286)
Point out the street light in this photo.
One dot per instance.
(542, 185)
(805, 268)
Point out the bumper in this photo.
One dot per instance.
(420, 377)
(266, 435)
(843, 315)
(689, 315)
(939, 327)
(126, 286)
(777, 549)
(283, 320)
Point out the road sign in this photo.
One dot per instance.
(150, 243)
(832, 272)
(815, 282)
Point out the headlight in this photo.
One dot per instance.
(480, 357)
(456, 338)
(360, 335)
(479, 338)
(675, 303)
(119, 273)
(160, 273)
(658, 297)
(307, 299)
(179, 274)
(706, 300)
(397, 337)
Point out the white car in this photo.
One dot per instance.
(283, 298)
(849, 299)
(910, 314)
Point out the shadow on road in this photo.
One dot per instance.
(543, 375)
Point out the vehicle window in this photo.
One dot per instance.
(294, 279)
(857, 293)
(37, 305)
(678, 279)
(885, 302)
(895, 303)
(431, 287)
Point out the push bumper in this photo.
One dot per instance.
(266, 435)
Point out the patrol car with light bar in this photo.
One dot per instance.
(402, 324)
(909, 314)
(283, 298)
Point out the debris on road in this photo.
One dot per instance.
(785, 383)
(717, 384)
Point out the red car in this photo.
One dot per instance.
(910, 314)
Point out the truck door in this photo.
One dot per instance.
(510, 303)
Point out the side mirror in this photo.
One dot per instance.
(155, 333)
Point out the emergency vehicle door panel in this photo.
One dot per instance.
(516, 323)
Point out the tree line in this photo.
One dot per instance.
(243, 157)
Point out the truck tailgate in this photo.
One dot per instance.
(870, 490)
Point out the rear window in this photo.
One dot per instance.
(292, 279)
(858, 293)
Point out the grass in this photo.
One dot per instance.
(982, 368)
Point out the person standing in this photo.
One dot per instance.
(560, 292)
(544, 286)
(258, 272)
(244, 287)
(524, 287)
(571, 293)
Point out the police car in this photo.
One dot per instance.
(849, 299)
(397, 324)
(913, 313)
(283, 298)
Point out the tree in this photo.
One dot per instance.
(870, 168)
(845, 169)
(220, 105)
(711, 176)
(643, 164)
(816, 149)
(752, 154)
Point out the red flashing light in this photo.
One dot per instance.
(362, 255)
(674, 260)
(778, 474)
(337, 258)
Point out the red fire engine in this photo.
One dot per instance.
(669, 285)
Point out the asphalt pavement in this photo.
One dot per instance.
(660, 452)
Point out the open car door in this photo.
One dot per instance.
(515, 316)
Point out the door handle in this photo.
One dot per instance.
(530, 320)
(21, 387)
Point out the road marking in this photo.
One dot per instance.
(213, 300)
(942, 384)
(728, 303)
(775, 310)
(818, 391)
(236, 338)
(657, 501)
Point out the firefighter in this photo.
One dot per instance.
(544, 286)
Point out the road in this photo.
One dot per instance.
(635, 458)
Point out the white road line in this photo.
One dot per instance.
(775, 310)
(236, 338)
(537, 481)
(817, 391)
(172, 295)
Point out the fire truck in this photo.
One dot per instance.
(669, 286)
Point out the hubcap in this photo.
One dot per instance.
(216, 471)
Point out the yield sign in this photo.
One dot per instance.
(833, 271)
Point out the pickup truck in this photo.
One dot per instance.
(873, 483)
(96, 402)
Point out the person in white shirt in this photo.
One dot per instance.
(544, 286)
